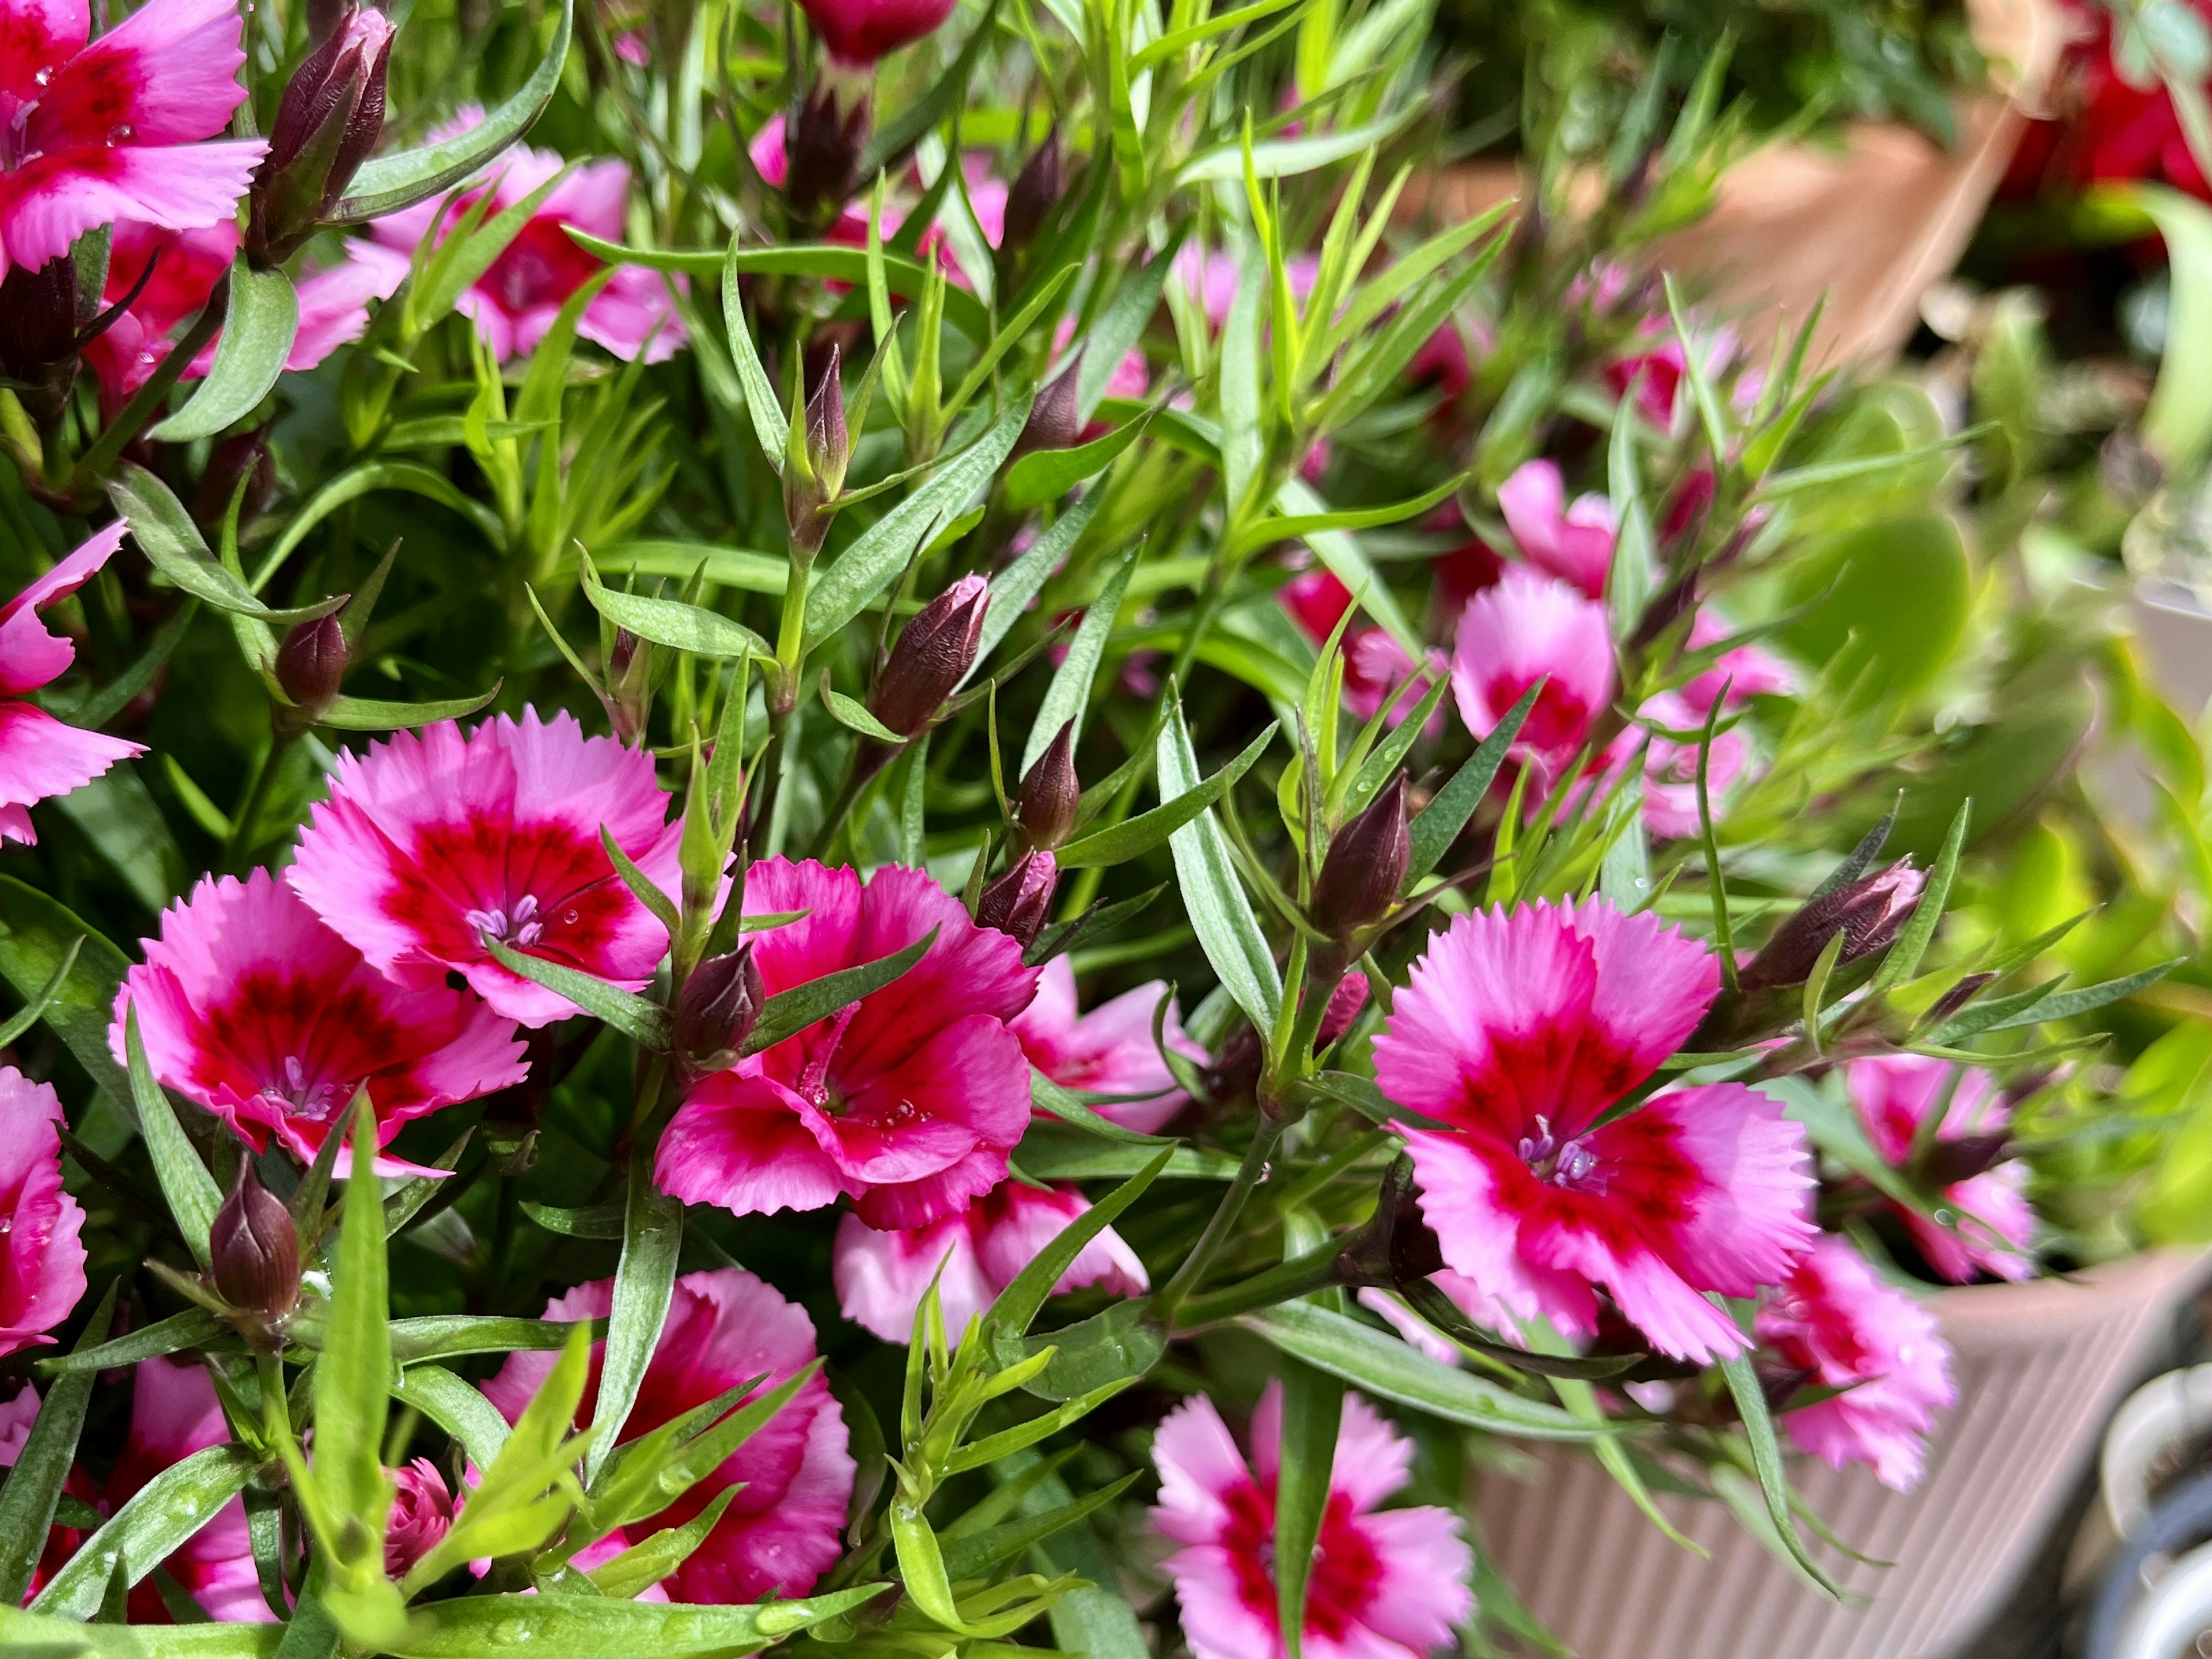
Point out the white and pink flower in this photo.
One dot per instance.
(1532, 626)
(1108, 1051)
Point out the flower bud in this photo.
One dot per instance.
(814, 463)
(421, 1514)
(719, 1005)
(330, 119)
(825, 149)
(1044, 811)
(932, 657)
(1365, 868)
(254, 1250)
(828, 447)
(1035, 194)
(1869, 913)
(629, 684)
(1953, 1159)
(241, 455)
(1054, 421)
(1019, 901)
(311, 663)
(1397, 1247)
(38, 321)
(859, 32)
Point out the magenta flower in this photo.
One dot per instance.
(421, 1514)
(1520, 1029)
(1670, 765)
(1108, 1051)
(39, 757)
(909, 1100)
(1995, 1226)
(111, 130)
(1523, 629)
(41, 1262)
(1834, 1320)
(1377, 668)
(881, 1277)
(859, 32)
(514, 303)
(174, 1413)
(1385, 1583)
(794, 1475)
(431, 842)
(1748, 671)
(250, 1005)
(16, 1417)
(1573, 543)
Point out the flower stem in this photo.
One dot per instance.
(1223, 1222)
(1314, 1271)
(94, 463)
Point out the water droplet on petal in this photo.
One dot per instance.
(121, 133)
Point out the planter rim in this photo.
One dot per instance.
(1982, 1318)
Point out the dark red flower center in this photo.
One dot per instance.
(1345, 1574)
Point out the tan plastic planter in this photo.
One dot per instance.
(1872, 224)
(2039, 1366)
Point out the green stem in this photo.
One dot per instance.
(1302, 1276)
(95, 462)
(275, 1417)
(241, 842)
(1188, 1277)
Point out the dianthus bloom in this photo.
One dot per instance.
(174, 1413)
(1894, 1094)
(1573, 543)
(1529, 627)
(794, 1476)
(430, 843)
(1846, 1330)
(514, 303)
(250, 1005)
(1520, 1029)
(1385, 1583)
(421, 1514)
(39, 757)
(41, 1262)
(1377, 669)
(1108, 1051)
(882, 1276)
(907, 1100)
(110, 129)
(859, 32)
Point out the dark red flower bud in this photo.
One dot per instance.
(1952, 1160)
(241, 455)
(255, 1249)
(38, 320)
(1044, 811)
(311, 663)
(1020, 901)
(330, 119)
(628, 697)
(1396, 1248)
(1365, 868)
(824, 152)
(719, 1005)
(1035, 194)
(812, 479)
(1055, 421)
(932, 657)
(1869, 913)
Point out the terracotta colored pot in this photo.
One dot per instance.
(2039, 1367)
(1872, 222)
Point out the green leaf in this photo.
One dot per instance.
(1094, 1356)
(670, 622)
(1437, 825)
(1119, 843)
(788, 1013)
(173, 544)
(1904, 959)
(1220, 915)
(644, 1022)
(608, 1627)
(1381, 1364)
(390, 183)
(646, 1564)
(1313, 1410)
(34, 1637)
(770, 426)
(975, 1553)
(2177, 426)
(353, 1375)
(1767, 1458)
(645, 1282)
(192, 1196)
(1282, 158)
(1050, 1154)
(1069, 695)
(37, 936)
(2040, 1005)
(195, 1327)
(1237, 375)
(258, 327)
(366, 479)
(1046, 475)
(34, 1485)
(443, 1336)
(852, 715)
(160, 1516)
(597, 1221)
(869, 565)
(368, 714)
(1009, 1317)
(458, 1408)
(1122, 325)
(1046, 1096)
(1012, 589)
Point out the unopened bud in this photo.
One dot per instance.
(1365, 868)
(421, 1514)
(37, 320)
(629, 684)
(720, 1006)
(330, 117)
(254, 1250)
(932, 657)
(311, 663)
(1044, 811)
(1020, 901)
(243, 455)
(1869, 913)
(825, 149)
(1035, 194)
(1397, 1247)
(1055, 422)
(1953, 1159)
(828, 447)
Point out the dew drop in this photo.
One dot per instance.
(121, 133)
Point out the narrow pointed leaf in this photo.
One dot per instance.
(262, 320)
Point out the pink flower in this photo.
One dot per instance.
(41, 1262)
(1526, 629)
(1520, 1029)
(1995, 1226)
(514, 304)
(1834, 1320)
(1670, 766)
(881, 1277)
(1464, 1293)
(1747, 671)
(110, 131)
(333, 304)
(250, 1005)
(421, 1514)
(909, 1100)
(174, 1413)
(39, 757)
(725, 1327)
(859, 32)
(1573, 543)
(16, 1417)
(1385, 1583)
(1377, 668)
(1108, 1051)
(432, 840)
(1211, 278)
